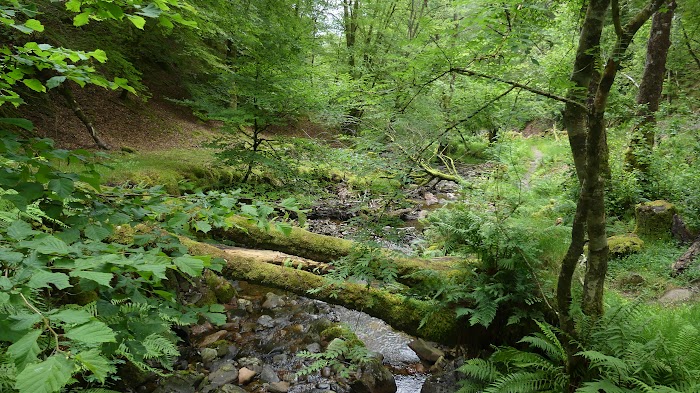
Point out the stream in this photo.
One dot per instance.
(257, 350)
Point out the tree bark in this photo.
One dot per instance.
(687, 259)
(66, 92)
(650, 89)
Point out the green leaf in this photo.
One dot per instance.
(71, 316)
(26, 349)
(150, 11)
(22, 123)
(20, 230)
(189, 265)
(81, 19)
(96, 232)
(43, 279)
(285, 228)
(4, 298)
(30, 190)
(100, 278)
(99, 55)
(97, 364)
(55, 81)
(138, 21)
(215, 318)
(35, 85)
(217, 308)
(19, 201)
(114, 10)
(34, 25)
(52, 245)
(91, 333)
(202, 226)
(48, 376)
(62, 187)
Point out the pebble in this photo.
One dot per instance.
(279, 387)
(245, 375)
(265, 321)
(225, 374)
(208, 354)
(314, 347)
(269, 375)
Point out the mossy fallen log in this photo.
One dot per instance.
(402, 313)
(317, 247)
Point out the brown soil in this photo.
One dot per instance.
(144, 125)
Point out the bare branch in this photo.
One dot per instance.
(616, 17)
(533, 90)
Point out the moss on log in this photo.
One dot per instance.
(319, 248)
(401, 312)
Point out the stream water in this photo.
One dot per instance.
(379, 337)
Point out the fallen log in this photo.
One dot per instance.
(316, 247)
(401, 312)
(687, 259)
(280, 259)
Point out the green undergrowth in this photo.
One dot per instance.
(653, 264)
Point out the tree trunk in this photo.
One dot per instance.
(402, 313)
(650, 88)
(66, 92)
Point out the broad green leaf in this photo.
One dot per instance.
(48, 376)
(202, 226)
(96, 363)
(215, 318)
(19, 201)
(91, 333)
(34, 25)
(4, 298)
(71, 316)
(284, 227)
(100, 278)
(114, 10)
(96, 232)
(30, 190)
(62, 187)
(217, 308)
(99, 55)
(73, 5)
(26, 349)
(52, 245)
(43, 279)
(138, 21)
(150, 11)
(20, 230)
(178, 220)
(35, 85)
(22, 123)
(10, 256)
(81, 19)
(55, 81)
(189, 265)
(24, 321)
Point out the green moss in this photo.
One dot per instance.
(623, 245)
(654, 219)
(221, 287)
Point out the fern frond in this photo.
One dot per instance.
(603, 385)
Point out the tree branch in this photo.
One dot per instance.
(616, 17)
(533, 90)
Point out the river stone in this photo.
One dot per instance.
(375, 378)
(278, 387)
(281, 358)
(212, 338)
(208, 354)
(179, 383)
(245, 304)
(266, 321)
(225, 374)
(269, 375)
(676, 296)
(654, 219)
(314, 347)
(425, 351)
(273, 301)
(245, 375)
(228, 388)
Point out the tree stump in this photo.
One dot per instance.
(654, 219)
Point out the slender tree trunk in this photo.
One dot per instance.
(650, 88)
(67, 93)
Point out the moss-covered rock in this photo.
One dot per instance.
(654, 219)
(221, 287)
(623, 245)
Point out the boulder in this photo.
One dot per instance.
(426, 351)
(654, 219)
(374, 378)
(273, 301)
(674, 296)
(231, 389)
(623, 245)
(179, 383)
(245, 375)
(269, 375)
(278, 387)
(225, 374)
